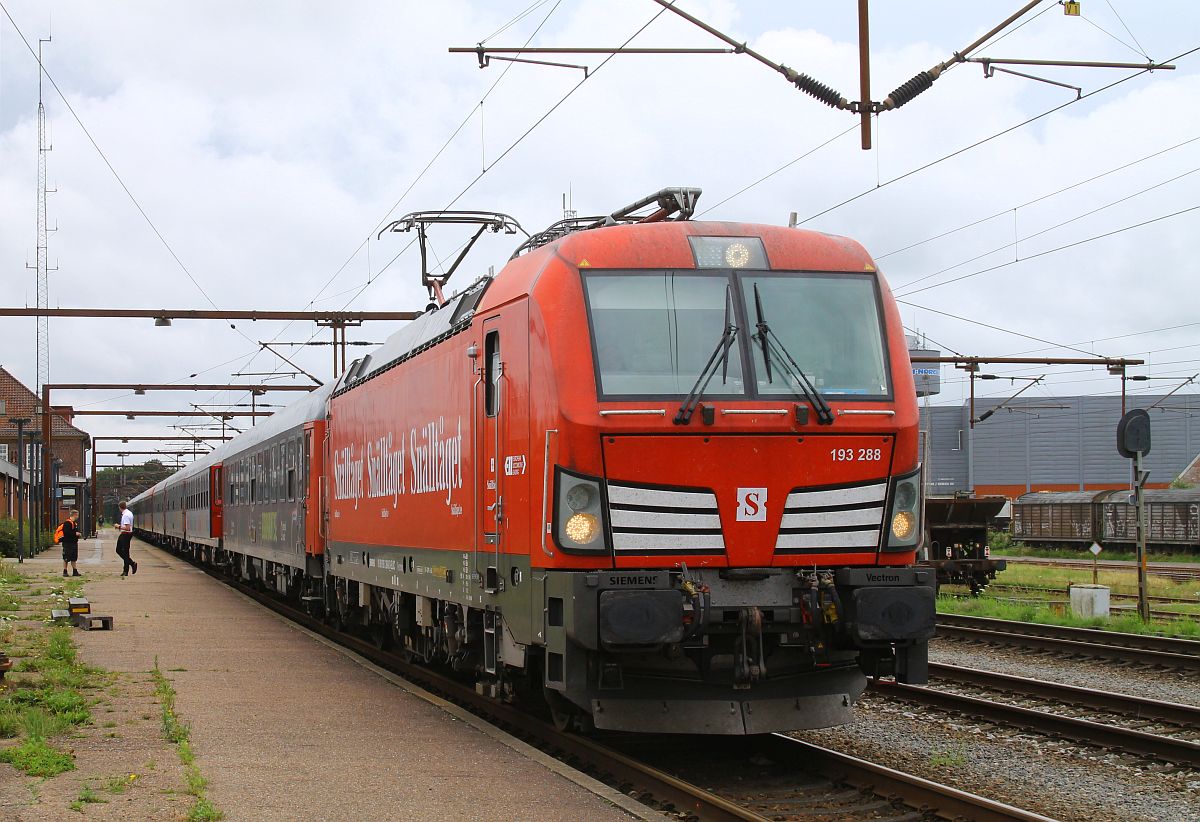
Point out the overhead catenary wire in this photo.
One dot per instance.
(1035, 200)
(1017, 241)
(43, 71)
(413, 183)
(511, 147)
(989, 138)
(104, 157)
(1135, 49)
(1055, 250)
(901, 95)
(982, 324)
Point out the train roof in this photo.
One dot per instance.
(1118, 496)
(306, 409)
(426, 330)
(1155, 495)
(1057, 497)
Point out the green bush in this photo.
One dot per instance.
(1000, 541)
(8, 539)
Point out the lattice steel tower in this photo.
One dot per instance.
(43, 262)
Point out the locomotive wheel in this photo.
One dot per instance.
(565, 715)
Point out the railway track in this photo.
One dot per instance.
(1171, 723)
(1040, 589)
(1136, 648)
(1168, 616)
(815, 783)
(1171, 570)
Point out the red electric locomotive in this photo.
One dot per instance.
(663, 472)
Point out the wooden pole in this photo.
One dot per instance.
(864, 73)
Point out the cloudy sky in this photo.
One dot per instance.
(245, 155)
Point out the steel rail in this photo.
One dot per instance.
(922, 794)
(949, 803)
(1149, 650)
(1133, 707)
(1004, 586)
(1166, 748)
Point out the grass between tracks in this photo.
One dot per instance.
(1037, 602)
(178, 732)
(1127, 622)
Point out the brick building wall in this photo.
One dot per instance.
(70, 444)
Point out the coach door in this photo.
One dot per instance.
(489, 425)
(312, 487)
(216, 502)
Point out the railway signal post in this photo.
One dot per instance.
(1133, 442)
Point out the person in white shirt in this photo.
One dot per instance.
(124, 537)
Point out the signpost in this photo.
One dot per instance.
(1133, 442)
(1095, 549)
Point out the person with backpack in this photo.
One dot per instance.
(68, 535)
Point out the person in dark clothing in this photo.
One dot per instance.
(124, 538)
(70, 543)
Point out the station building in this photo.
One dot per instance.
(69, 451)
(1055, 444)
(1036, 442)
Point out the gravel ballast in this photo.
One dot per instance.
(1065, 780)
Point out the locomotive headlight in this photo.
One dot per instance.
(737, 255)
(904, 516)
(578, 520)
(582, 528)
(903, 525)
(729, 252)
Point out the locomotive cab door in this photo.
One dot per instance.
(501, 449)
(490, 495)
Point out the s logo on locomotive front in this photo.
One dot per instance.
(752, 504)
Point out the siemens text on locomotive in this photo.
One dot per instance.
(662, 473)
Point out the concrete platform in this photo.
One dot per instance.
(286, 726)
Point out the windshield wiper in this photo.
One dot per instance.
(773, 346)
(720, 355)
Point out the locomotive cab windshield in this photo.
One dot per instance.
(653, 332)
